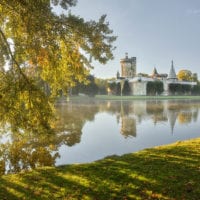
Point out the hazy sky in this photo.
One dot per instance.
(154, 31)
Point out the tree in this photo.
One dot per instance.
(150, 88)
(159, 87)
(154, 88)
(37, 44)
(91, 89)
(196, 89)
(186, 89)
(118, 89)
(174, 88)
(112, 86)
(126, 88)
(102, 85)
(185, 75)
(195, 77)
(52, 43)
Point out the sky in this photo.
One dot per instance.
(154, 31)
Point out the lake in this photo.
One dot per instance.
(91, 130)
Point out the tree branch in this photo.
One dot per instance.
(12, 56)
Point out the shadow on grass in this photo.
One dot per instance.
(171, 172)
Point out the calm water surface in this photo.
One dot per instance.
(107, 128)
(88, 131)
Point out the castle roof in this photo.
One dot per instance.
(155, 72)
(172, 73)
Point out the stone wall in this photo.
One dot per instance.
(138, 88)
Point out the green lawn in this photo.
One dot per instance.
(112, 97)
(168, 172)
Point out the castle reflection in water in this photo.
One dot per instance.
(170, 112)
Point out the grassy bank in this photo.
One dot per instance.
(168, 172)
(127, 98)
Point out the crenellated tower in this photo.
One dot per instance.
(128, 67)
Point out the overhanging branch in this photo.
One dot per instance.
(12, 56)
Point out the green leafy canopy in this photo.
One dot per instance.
(41, 50)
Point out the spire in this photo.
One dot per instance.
(172, 116)
(118, 74)
(172, 73)
(155, 72)
(126, 55)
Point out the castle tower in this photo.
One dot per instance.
(128, 67)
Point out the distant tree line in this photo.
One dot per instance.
(93, 87)
(99, 86)
(89, 88)
(180, 89)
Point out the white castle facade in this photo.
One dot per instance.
(138, 82)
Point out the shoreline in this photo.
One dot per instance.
(164, 172)
(123, 98)
(107, 97)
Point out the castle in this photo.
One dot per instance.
(138, 82)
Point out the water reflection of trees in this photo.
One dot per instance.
(23, 116)
(71, 120)
(156, 110)
(185, 112)
(24, 149)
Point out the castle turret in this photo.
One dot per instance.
(154, 73)
(118, 75)
(128, 67)
(172, 73)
